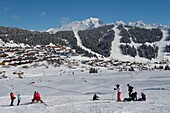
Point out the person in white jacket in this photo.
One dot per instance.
(118, 92)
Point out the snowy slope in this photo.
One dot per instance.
(116, 52)
(161, 44)
(72, 93)
(78, 25)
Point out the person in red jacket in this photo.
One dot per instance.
(39, 97)
(36, 97)
(12, 98)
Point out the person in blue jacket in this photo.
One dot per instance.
(19, 99)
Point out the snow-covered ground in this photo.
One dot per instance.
(70, 91)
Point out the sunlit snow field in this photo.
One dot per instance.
(71, 91)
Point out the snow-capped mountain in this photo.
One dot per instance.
(141, 24)
(78, 25)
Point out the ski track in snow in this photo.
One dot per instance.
(63, 94)
(115, 51)
(161, 44)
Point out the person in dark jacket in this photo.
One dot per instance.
(130, 90)
(143, 97)
(95, 97)
(132, 98)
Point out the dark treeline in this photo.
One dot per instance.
(98, 39)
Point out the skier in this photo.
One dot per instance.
(95, 97)
(133, 97)
(12, 98)
(39, 97)
(118, 92)
(19, 99)
(34, 97)
(130, 90)
(143, 98)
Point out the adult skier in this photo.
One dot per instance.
(118, 92)
(36, 97)
(130, 90)
(12, 98)
(39, 97)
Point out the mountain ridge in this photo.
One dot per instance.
(96, 22)
(78, 25)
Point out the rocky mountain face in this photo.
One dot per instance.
(133, 39)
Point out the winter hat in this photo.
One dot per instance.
(117, 85)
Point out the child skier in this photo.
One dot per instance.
(19, 99)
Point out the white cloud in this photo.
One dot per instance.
(64, 20)
(43, 13)
(15, 17)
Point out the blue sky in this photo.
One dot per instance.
(45, 14)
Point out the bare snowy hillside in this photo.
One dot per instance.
(66, 92)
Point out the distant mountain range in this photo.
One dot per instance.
(133, 41)
(95, 22)
(78, 25)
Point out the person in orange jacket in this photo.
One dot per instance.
(12, 98)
